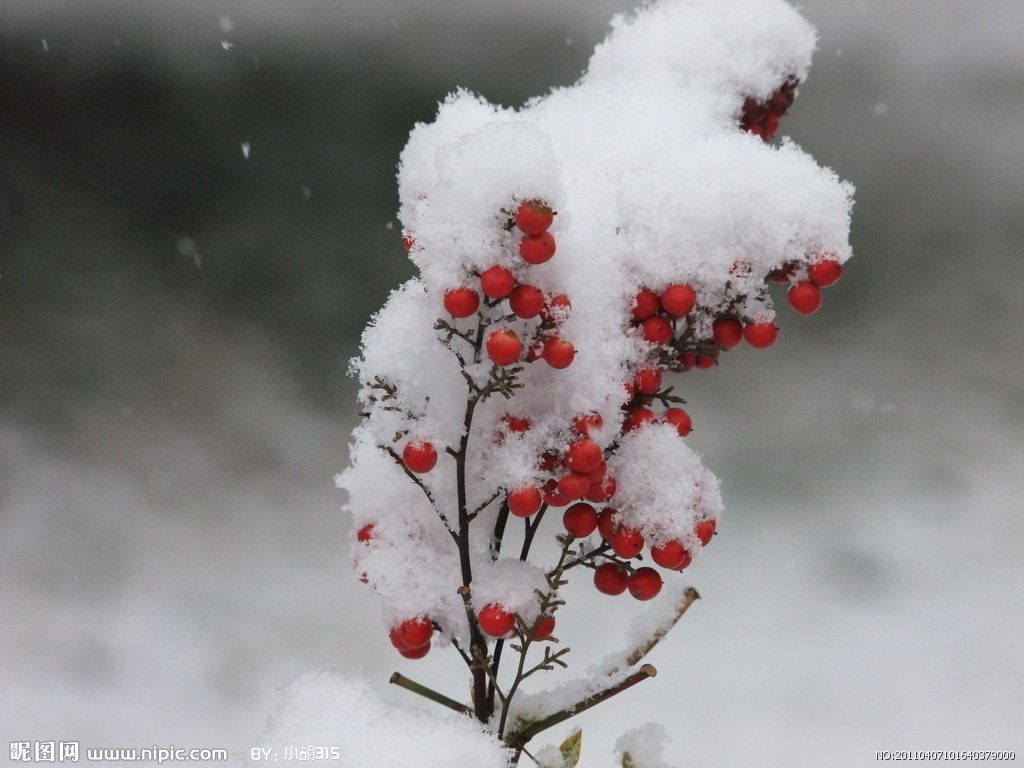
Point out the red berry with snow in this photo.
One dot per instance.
(679, 300)
(825, 273)
(645, 304)
(558, 353)
(419, 456)
(679, 419)
(557, 309)
(580, 520)
(611, 579)
(762, 334)
(533, 217)
(526, 301)
(671, 555)
(584, 456)
(704, 530)
(645, 583)
(657, 330)
(728, 332)
(602, 490)
(497, 282)
(537, 249)
(461, 302)
(515, 423)
(648, 381)
(636, 417)
(495, 620)
(627, 542)
(524, 502)
(804, 297)
(588, 424)
(543, 629)
(365, 534)
(504, 346)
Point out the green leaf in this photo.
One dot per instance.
(627, 760)
(570, 749)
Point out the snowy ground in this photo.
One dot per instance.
(170, 550)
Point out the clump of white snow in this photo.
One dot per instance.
(347, 717)
(645, 747)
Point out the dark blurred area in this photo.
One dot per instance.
(197, 217)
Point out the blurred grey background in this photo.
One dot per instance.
(196, 219)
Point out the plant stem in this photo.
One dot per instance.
(422, 690)
(522, 738)
(689, 597)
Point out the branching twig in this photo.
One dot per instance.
(398, 460)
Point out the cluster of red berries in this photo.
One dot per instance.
(581, 472)
(412, 637)
(763, 117)
(804, 296)
(497, 621)
(536, 246)
(644, 583)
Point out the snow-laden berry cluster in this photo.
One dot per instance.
(572, 254)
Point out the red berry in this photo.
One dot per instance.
(728, 332)
(515, 423)
(504, 346)
(587, 424)
(365, 534)
(533, 217)
(781, 275)
(657, 330)
(825, 272)
(557, 309)
(415, 653)
(679, 300)
(526, 301)
(636, 417)
(645, 304)
(804, 297)
(415, 633)
(396, 639)
(419, 456)
(648, 381)
(584, 456)
(558, 353)
(536, 249)
(553, 497)
(543, 629)
(611, 579)
(602, 490)
(704, 530)
(706, 361)
(761, 335)
(645, 583)
(627, 542)
(524, 502)
(580, 520)
(408, 242)
(606, 523)
(597, 474)
(671, 555)
(495, 620)
(461, 302)
(497, 282)
(574, 486)
(679, 419)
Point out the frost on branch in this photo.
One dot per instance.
(573, 255)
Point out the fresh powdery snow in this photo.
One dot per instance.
(654, 171)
